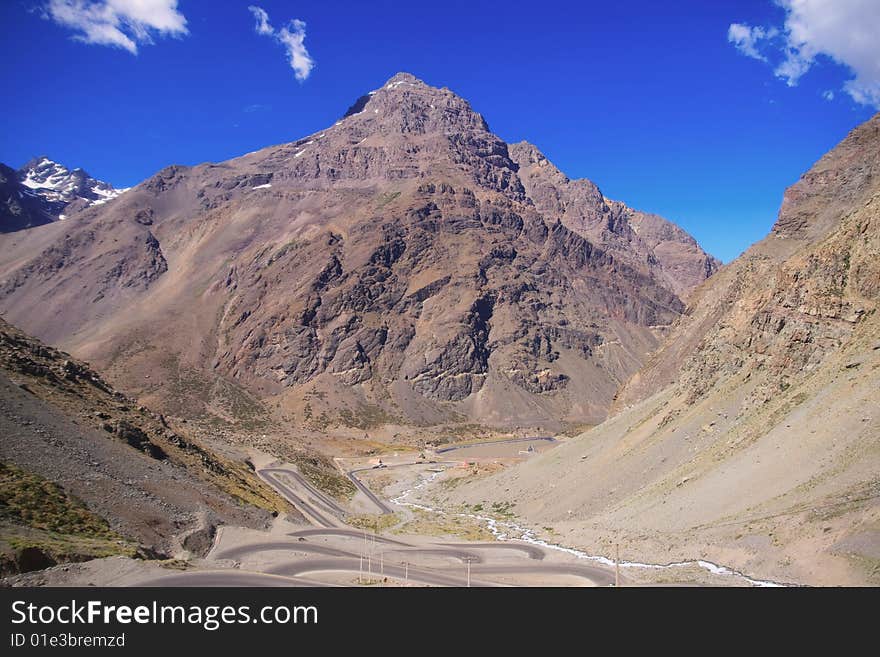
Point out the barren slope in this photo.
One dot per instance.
(753, 437)
(60, 422)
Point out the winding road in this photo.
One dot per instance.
(306, 503)
(331, 549)
(380, 504)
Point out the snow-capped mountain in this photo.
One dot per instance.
(43, 191)
(58, 184)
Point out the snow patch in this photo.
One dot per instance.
(55, 182)
(266, 186)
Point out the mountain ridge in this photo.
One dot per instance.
(392, 265)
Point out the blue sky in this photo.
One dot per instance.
(651, 100)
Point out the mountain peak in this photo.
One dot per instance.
(402, 78)
(37, 161)
(60, 186)
(841, 178)
(395, 82)
(406, 104)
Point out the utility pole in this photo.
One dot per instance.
(361, 569)
(616, 565)
(469, 572)
(406, 571)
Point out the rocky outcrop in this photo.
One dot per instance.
(791, 300)
(645, 241)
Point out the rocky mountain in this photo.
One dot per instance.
(86, 472)
(752, 436)
(634, 237)
(56, 183)
(43, 191)
(403, 266)
(20, 207)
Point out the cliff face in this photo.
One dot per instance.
(752, 437)
(400, 266)
(641, 239)
(793, 298)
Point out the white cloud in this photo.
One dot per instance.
(118, 23)
(747, 38)
(845, 31)
(292, 37)
(262, 17)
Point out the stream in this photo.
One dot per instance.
(505, 531)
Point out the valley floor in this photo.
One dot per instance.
(389, 534)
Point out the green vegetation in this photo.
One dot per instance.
(386, 198)
(285, 250)
(435, 524)
(237, 480)
(573, 429)
(366, 416)
(466, 432)
(35, 502)
(42, 524)
(322, 474)
(214, 400)
(247, 412)
(376, 523)
(503, 510)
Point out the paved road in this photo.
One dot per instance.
(353, 533)
(380, 503)
(326, 514)
(297, 548)
(461, 551)
(533, 551)
(315, 505)
(452, 552)
(451, 448)
(281, 546)
(226, 578)
(445, 577)
(399, 572)
(595, 574)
